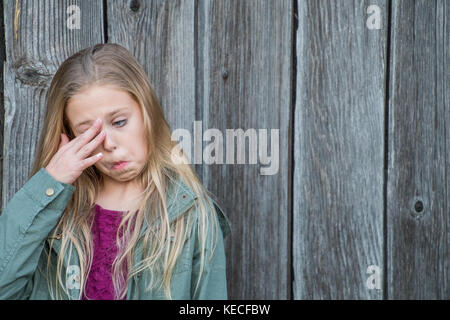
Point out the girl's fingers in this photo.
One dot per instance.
(91, 160)
(87, 149)
(87, 136)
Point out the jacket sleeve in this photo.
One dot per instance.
(25, 223)
(213, 283)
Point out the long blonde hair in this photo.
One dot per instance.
(111, 64)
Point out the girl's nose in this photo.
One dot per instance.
(109, 143)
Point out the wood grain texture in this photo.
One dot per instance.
(37, 42)
(244, 81)
(2, 106)
(338, 150)
(311, 230)
(418, 246)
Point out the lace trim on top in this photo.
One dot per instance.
(99, 285)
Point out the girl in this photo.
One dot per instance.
(111, 209)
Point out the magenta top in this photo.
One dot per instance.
(99, 285)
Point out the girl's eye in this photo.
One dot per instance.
(121, 123)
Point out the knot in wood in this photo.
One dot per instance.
(134, 5)
(224, 73)
(33, 73)
(418, 206)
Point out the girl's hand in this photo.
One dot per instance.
(73, 157)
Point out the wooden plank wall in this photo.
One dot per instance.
(251, 41)
(361, 114)
(338, 153)
(418, 246)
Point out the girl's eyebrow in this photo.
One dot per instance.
(110, 114)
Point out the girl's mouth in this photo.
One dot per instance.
(119, 165)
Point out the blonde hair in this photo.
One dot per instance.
(112, 65)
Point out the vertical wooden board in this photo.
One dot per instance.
(2, 107)
(418, 238)
(160, 34)
(338, 150)
(244, 82)
(37, 42)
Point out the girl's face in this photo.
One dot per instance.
(123, 124)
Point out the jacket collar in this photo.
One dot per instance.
(179, 199)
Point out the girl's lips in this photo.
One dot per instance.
(119, 165)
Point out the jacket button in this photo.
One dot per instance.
(183, 196)
(49, 192)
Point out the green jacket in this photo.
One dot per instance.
(32, 214)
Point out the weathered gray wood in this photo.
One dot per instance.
(338, 150)
(419, 240)
(2, 107)
(244, 81)
(229, 64)
(37, 42)
(161, 35)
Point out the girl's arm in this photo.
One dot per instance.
(28, 218)
(213, 284)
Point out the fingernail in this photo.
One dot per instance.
(97, 121)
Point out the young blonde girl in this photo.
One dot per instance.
(168, 214)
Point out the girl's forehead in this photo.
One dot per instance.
(100, 101)
(99, 96)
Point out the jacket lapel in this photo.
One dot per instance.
(179, 199)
